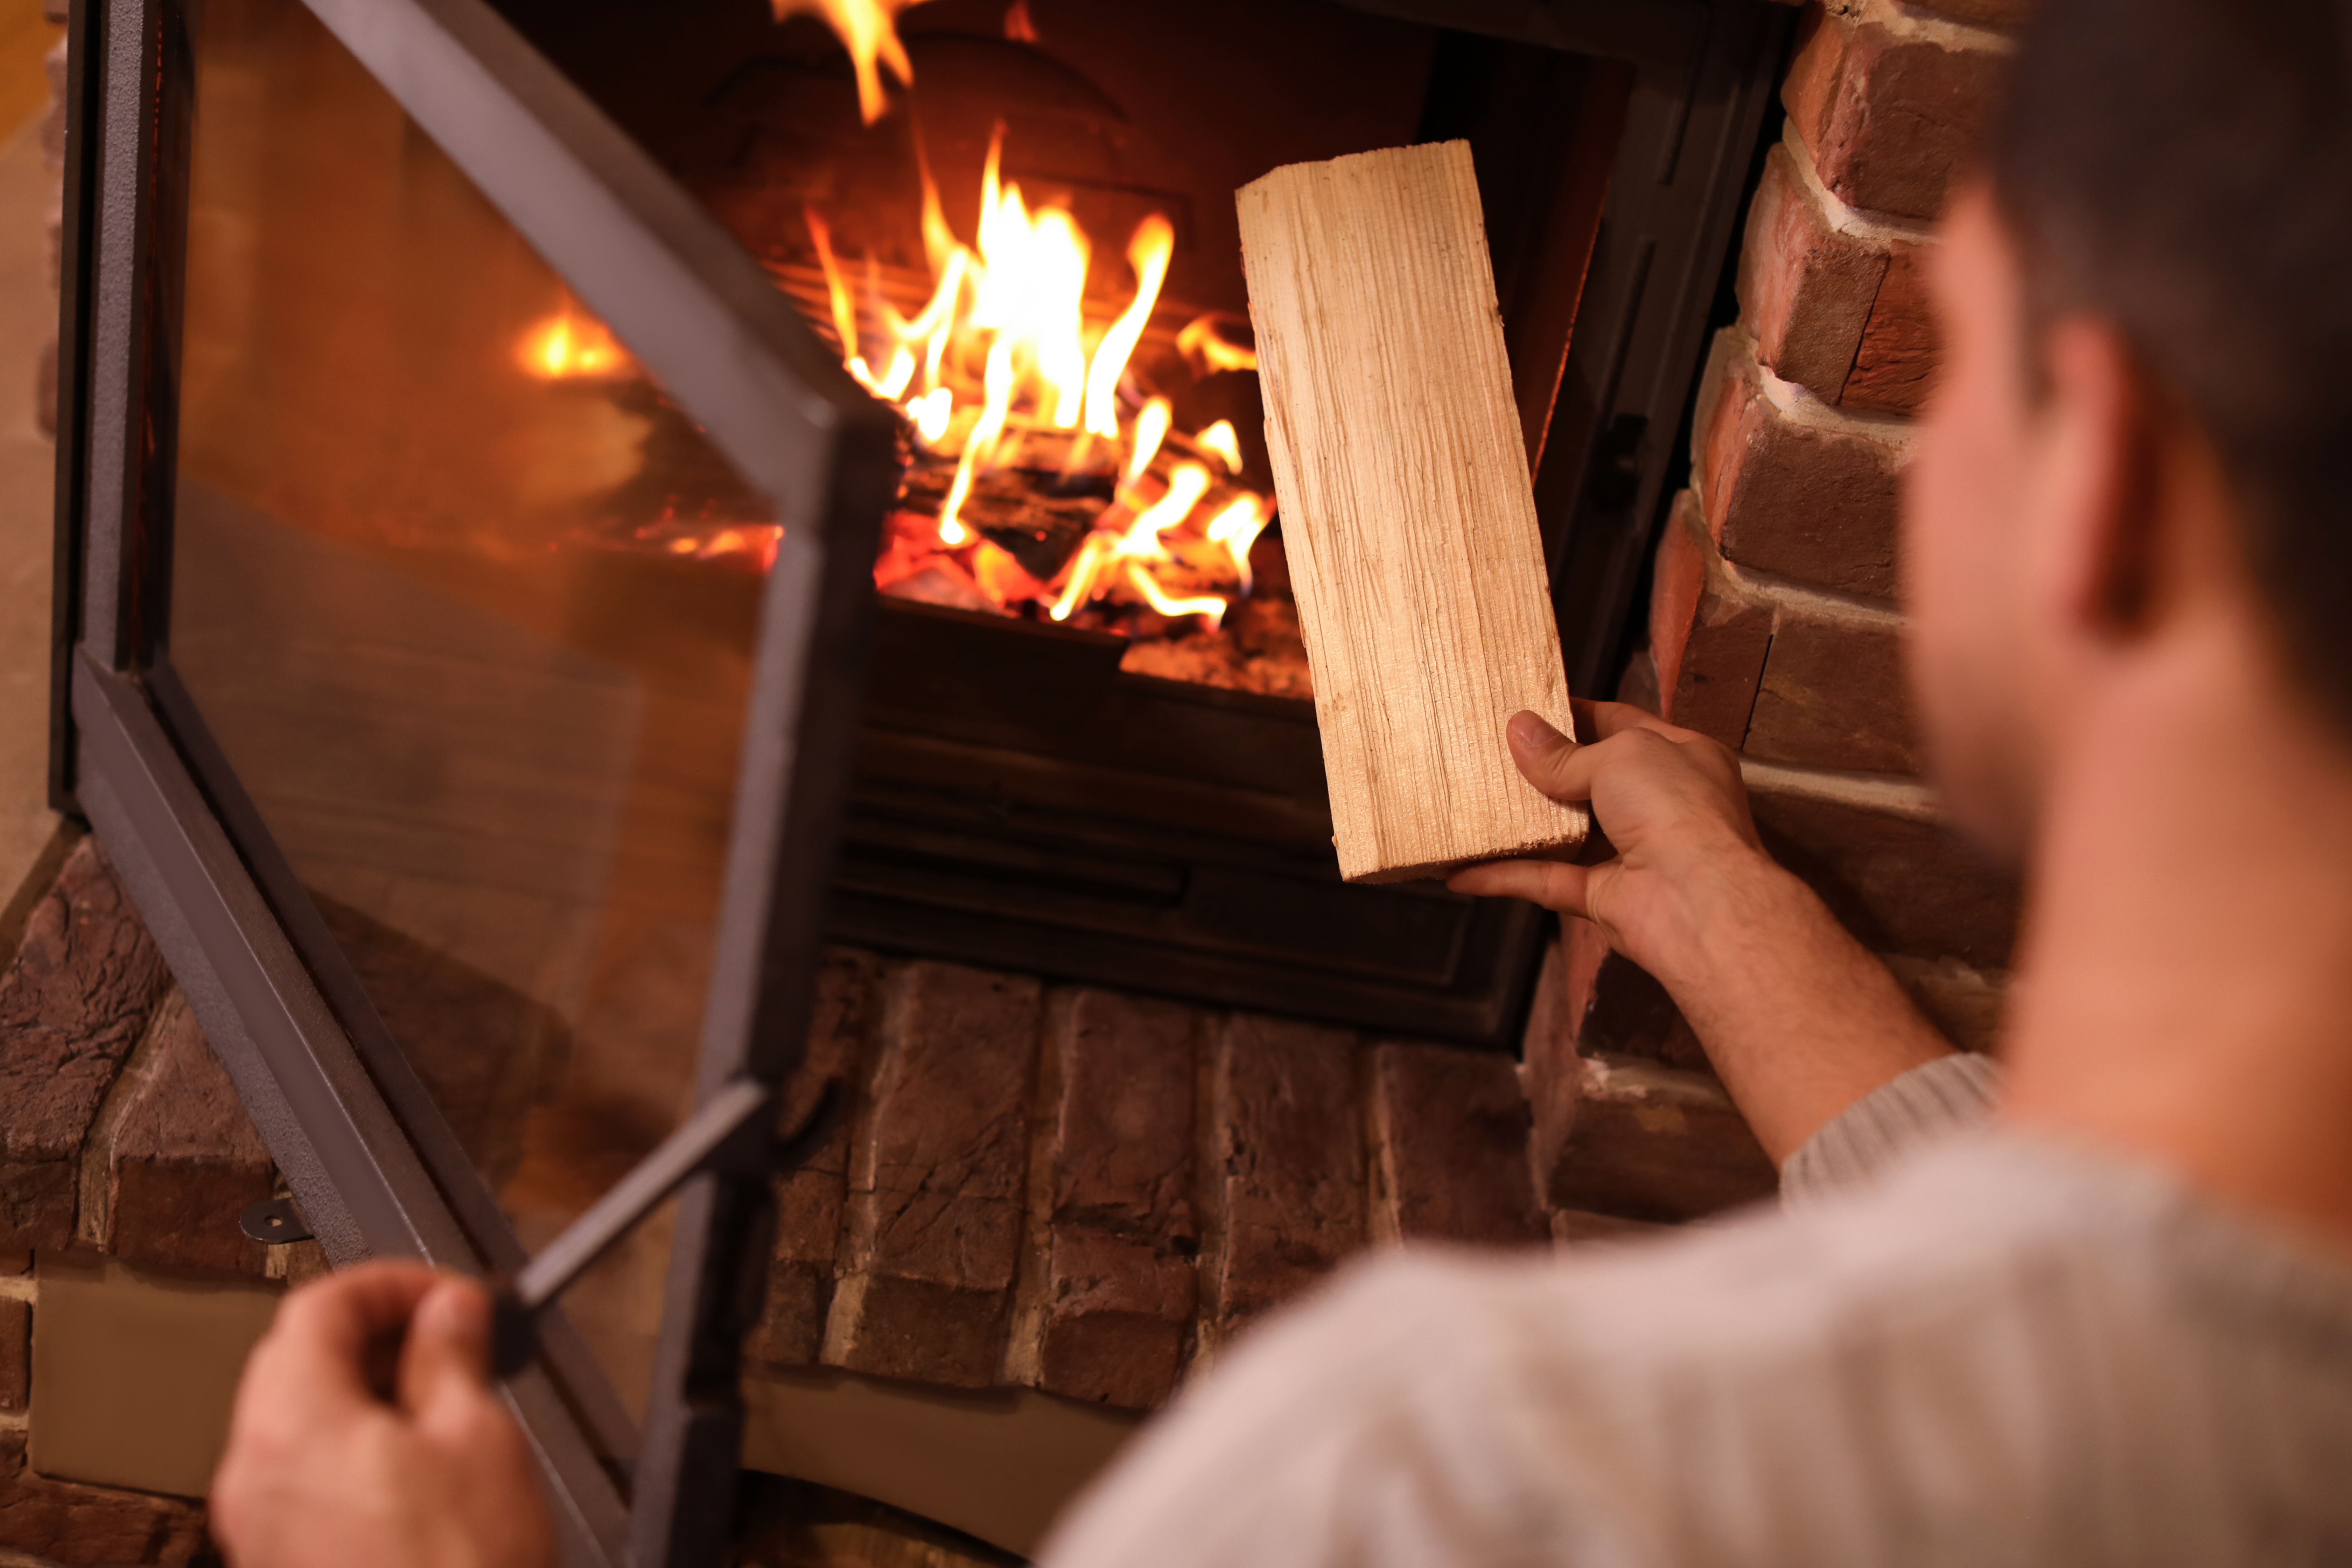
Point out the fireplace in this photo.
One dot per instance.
(1142, 806)
(561, 516)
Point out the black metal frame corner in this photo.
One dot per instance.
(372, 1164)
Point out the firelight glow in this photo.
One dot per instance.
(564, 347)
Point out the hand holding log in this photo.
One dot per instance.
(1407, 513)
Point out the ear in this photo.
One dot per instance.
(2098, 480)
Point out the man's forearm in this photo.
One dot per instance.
(1797, 1017)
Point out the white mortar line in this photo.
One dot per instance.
(1942, 31)
(1872, 229)
(1889, 794)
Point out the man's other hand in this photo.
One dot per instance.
(367, 1435)
(1671, 805)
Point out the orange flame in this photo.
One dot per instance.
(870, 30)
(1224, 443)
(1150, 429)
(1236, 528)
(1205, 348)
(1148, 253)
(1002, 356)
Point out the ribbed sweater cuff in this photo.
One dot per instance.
(1927, 1103)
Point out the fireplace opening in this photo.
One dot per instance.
(1090, 750)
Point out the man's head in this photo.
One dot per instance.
(2146, 302)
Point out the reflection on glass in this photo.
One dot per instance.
(470, 606)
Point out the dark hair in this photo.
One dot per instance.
(2184, 169)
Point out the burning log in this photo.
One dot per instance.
(1407, 513)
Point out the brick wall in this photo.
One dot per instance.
(1086, 1192)
(1772, 622)
(119, 1136)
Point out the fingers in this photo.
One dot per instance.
(1597, 720)
(318, 1348)
(1547, 758)
(1546, 882)
(447, 1358)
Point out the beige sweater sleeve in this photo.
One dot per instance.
(1876, 1133)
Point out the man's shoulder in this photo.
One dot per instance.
(2001, 1336)
(1986, 1226)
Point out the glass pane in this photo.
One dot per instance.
(469, 605)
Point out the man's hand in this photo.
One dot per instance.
(367, 1435)
(1672, 806)
(1797, 1018)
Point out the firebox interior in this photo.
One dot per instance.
(1145, 807)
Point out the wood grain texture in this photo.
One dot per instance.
(1406, 508)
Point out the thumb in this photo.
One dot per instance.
(1547, 758)
(447, 1355)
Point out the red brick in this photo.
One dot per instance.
(1285, 1184)
(66, 1523)
(1965, 1004)
(1115, 1295)
(181, 1158)
(809, 1199)
(1124, 1117)
(1833, 693)
(72, 1005)
(1119, 1321)
(938, 1173)
(1708, 637)
(1449, 1144)
(1571, 1227)
(485, 1050)
(1896, 878)
(1656, 1144)
(1549, 1068)
(1895, 365)
(1616, 1006)
(1890, 109)
(1811, 499)
(15, 1352)
(1639, 683)
(1806, 287)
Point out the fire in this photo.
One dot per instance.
(1204, 344)
(870, 30)
(1004, 365)
(566, 347)
(1007, 367)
